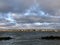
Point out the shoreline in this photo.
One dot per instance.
(29, 30)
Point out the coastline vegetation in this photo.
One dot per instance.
(29, 30)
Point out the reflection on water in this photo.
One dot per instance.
(29, 38)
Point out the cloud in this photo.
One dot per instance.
(49, 6)
(14, 5)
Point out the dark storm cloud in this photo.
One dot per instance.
(50, 6)
(14, 5)
(4, 7)
(32, 19)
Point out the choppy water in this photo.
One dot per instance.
(28, 38)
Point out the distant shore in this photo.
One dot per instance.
(29, 30)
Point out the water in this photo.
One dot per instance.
(29, 38)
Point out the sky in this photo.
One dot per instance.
(51, 8)
(20, 5)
